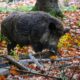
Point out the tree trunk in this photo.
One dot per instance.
(50, 6)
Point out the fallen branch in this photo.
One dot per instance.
(24, 71)
(46, 59)
(70, 65)
(17, 64)
(30, 61)
(67, 59)
(35, 61)
(47, 76)
(44, 54)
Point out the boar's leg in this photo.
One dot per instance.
(11, 46)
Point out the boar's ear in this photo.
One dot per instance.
(52, 27)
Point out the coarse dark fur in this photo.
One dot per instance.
(38, 29)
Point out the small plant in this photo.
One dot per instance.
(0, 37)
(65, 41)
(4, 10)
(19, 8)
(23, 8)
(71, 8)
(14, 55)
(3, 37)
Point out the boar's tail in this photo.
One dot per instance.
(3, 31)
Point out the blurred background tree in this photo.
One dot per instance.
(50, 6)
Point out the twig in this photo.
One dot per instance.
(35, 61)
(19, 65)
(24, 71)
(67, 59)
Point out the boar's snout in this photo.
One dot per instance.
(53, 47)
(66, 30)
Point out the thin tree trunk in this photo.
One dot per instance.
(50, 6)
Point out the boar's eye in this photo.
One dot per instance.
(52, 27)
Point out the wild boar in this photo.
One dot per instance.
(38, 29)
